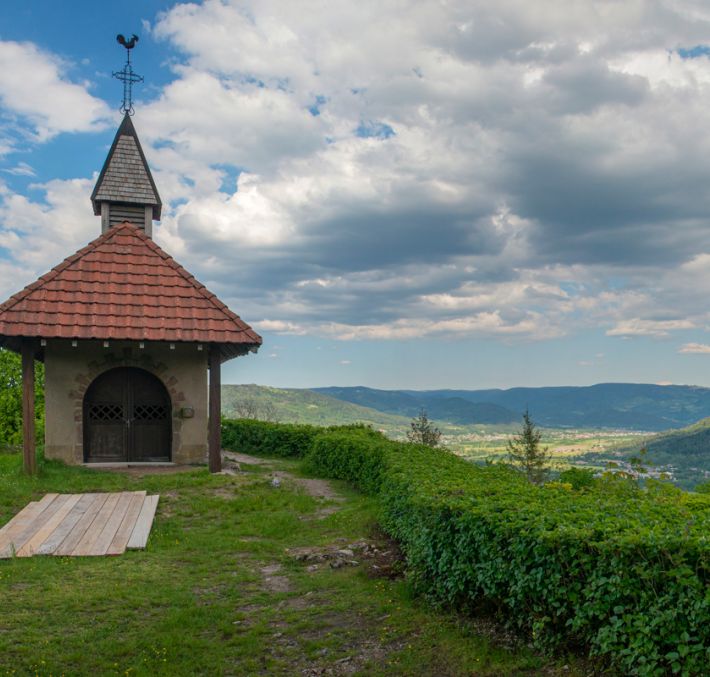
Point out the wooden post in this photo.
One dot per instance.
(28, 406)
(214, 439)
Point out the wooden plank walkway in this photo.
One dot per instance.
(73, 525)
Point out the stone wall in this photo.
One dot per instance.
(70, 370)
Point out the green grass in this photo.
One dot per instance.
(197, 602)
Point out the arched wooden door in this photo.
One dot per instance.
(127, 417)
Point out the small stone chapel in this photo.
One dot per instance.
(127, 337)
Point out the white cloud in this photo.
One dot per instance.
(640, 327)
(489, 324)
(39, 234)
(21, 169)
(33, 88)
(279, 327)
(695, 348)
(502, 204)
(377, 171)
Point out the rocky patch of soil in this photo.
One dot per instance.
(383, 560)
(272, 581)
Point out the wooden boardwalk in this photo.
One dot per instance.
(80, 525)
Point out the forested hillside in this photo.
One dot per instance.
(631, 406)
(685, 452)
(302, 406)
(453, 409)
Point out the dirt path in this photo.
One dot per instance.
(313, 487)
(245, 458)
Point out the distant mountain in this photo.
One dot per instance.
(631, 406)
(454, 409)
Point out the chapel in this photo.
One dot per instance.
(128, 337)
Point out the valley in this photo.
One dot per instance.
(683, 454)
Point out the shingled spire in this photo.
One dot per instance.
(125, 190)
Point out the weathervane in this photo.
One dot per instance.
(127, 76)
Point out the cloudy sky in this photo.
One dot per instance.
(397, 194)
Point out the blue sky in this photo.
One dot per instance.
(394, 194)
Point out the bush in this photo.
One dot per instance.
(579, 478)
(273, 439)
(251, 436)
(355, 455)
(624, 576)
(617, 570)
(11, 399)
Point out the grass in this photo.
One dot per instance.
(216, 591)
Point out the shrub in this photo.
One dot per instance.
(11, 399)
(355, 455)
(274, 439)
(625, 576)
(615, 569)
(251, 436)
(579, 478)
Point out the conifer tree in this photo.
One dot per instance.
(526, 454)
(423, 431)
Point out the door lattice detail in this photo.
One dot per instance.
(106, 413)
(147, 413)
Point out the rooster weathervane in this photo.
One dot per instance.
(126, 75)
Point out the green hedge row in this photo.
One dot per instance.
(620, 571)
(275, 439)
(272, 439)
(357, 456)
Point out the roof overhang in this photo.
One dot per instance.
(228, 351)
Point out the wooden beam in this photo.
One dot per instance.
(214, 438)
(28, 406)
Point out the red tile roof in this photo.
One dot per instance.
(123, 286)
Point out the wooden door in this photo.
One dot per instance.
(127, 417)
(150, 418)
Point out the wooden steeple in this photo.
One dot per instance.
(125, 190)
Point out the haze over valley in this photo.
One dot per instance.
(587, 426)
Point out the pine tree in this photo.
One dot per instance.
(526, 454)
(423, 431)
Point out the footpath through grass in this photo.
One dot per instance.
(217, 592)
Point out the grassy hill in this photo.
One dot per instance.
(306, 406)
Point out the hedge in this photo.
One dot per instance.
(357, 456)
(616, 570)
(272, 439)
